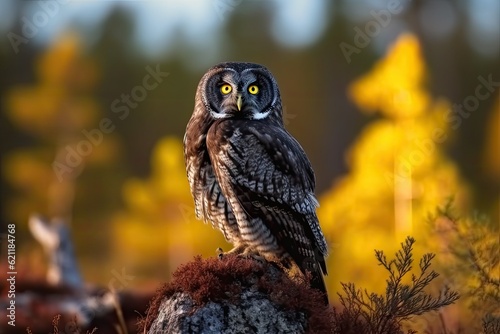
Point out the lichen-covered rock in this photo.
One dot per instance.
(255, 313)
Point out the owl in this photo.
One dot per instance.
(248, 176)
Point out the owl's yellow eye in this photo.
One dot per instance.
(226, 89)
(253, 89)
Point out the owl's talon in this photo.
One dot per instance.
(259, 258)
(256, 257)
(220, 253)
(252, 255)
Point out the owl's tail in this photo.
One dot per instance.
(317, 280)
(315, 268)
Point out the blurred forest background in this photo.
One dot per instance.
(395, 102)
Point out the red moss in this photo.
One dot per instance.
(218, 280)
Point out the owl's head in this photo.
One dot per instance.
(240, 90)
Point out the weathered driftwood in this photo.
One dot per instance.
(55, 238)
(236, 295)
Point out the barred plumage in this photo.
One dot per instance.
(249, 177)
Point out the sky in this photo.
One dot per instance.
(295, 23)
(158, 21)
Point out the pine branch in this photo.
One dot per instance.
(384, 313)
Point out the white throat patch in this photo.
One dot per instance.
(217, 115)
(261, 115)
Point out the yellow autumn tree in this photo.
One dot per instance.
(157, 231)
(398, 172)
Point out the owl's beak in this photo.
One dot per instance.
(239, 101)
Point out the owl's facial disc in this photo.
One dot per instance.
(249, 94)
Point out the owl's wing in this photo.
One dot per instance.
(273, 179)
